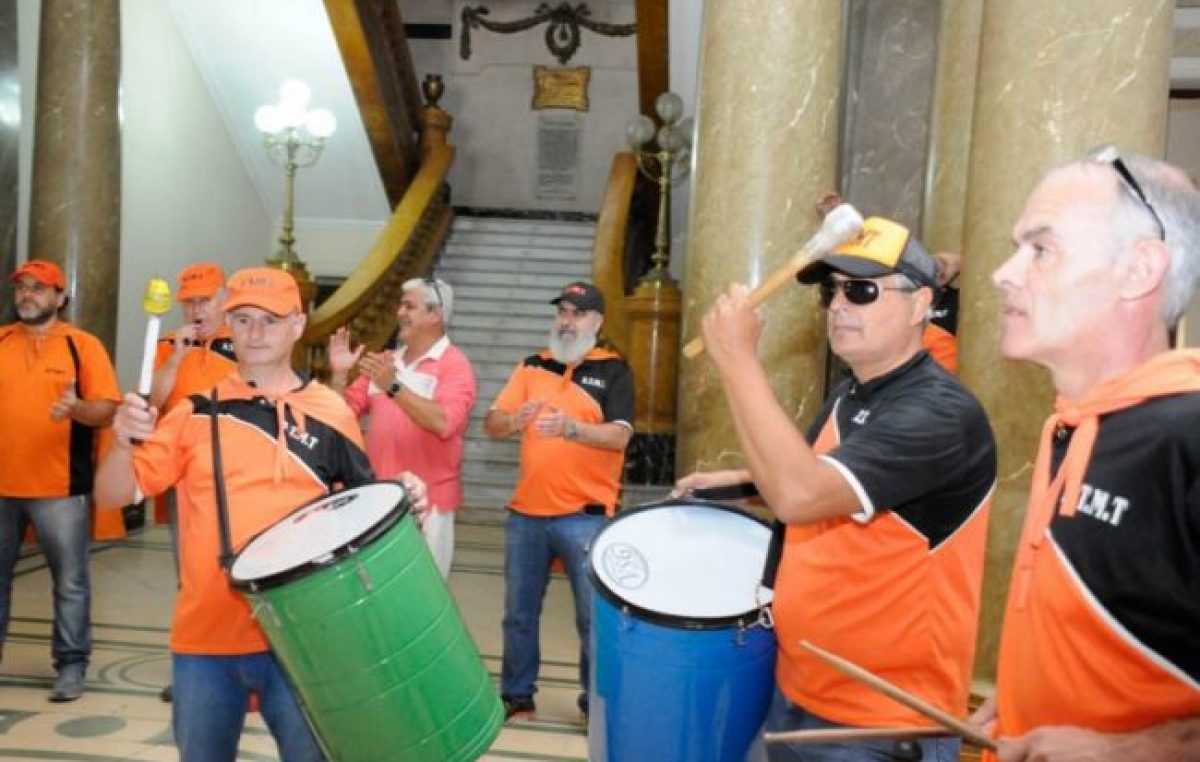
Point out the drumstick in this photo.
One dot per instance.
(840, 225)
(948, 721)
(827, 735)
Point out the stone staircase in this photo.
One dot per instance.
(504, 273)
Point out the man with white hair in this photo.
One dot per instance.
(1098, 656)
(572, 406)
(419, 399)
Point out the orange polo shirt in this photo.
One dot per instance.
(40, 457)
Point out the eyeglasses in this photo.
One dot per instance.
(856, 290)
(1109, 155)
(432, 283)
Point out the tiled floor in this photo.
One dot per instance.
(120, 716)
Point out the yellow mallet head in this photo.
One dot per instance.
(158, 297)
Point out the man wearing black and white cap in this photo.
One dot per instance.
(572, 406)
(885, 501)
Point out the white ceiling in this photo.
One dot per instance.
(244, 49)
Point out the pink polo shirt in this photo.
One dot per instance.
(395, 443)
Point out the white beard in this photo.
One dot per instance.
(570, 351)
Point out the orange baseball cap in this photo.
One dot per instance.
(200, 280)
(264, 287)
(46, 273)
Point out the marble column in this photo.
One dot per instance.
(75, 208)
(950, 124)
(10, 128)
(767, 116)
(1055, 79)
(890, 65)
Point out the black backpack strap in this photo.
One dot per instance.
(225, 559)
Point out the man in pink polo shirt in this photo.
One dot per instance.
(418, 398)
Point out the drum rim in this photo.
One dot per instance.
(340, 553)
(674, 621)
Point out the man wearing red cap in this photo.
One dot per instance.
(284, 441)
(57, 387)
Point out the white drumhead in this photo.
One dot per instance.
(314, 532)
(687, 561)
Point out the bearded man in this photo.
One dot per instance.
(572, 406)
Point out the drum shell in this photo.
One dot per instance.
(675, 688)
(379, 656)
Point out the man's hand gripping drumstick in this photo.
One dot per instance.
(840, 225)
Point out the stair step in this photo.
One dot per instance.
(466, 266)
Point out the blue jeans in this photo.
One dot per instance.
(64, 533)
(208, 708)
(530, 543)
(784, 715)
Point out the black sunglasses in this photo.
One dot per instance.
(1110, 156)
(856, 290)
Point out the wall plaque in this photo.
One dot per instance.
(558, 141)
(561, 87)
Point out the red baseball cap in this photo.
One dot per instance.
(46, 273)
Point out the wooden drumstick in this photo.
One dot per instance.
(840, 225)
(830, 735)
(948, 721)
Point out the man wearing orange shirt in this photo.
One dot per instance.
(284, 441)
(189, 360)
(885, 500)
(1098, 654)
(57, 386)
(572, 405)
(200, 352)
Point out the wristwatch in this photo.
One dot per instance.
(395, 388)
(570, 430)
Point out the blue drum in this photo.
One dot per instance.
(682, 664)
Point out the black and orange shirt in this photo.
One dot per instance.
(1106, 638)
(200, 368)
(558, 476)
(40, 457)
(277, 454)
(896, 587)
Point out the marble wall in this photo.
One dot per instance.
(890, 63)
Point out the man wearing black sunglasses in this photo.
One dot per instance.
(1098, 655)
(885, 500)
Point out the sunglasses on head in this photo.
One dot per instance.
(856, 290)
(432, 283)
(1109, 155)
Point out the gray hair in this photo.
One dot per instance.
(1175, 199)
(438, 294)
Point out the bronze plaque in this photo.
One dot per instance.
(564, 87)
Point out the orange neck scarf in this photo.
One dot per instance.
(1169, 373)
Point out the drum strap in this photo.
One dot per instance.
(774, 553)
(226, 558)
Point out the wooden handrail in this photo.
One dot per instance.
(367, 276)
(608, 250)
(405, 248)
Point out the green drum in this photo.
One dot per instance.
(365, 628)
